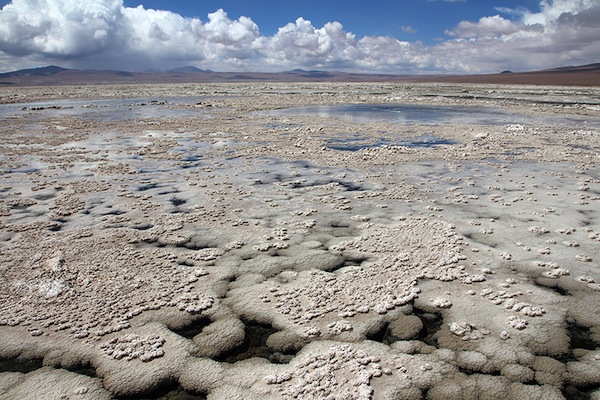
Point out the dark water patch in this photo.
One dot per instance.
(27, 365)
(350, 186)
(84, 368)
(339, 224)
(190, 163)
(380, 335)
(177, 201)
(192, 328)
(360, 143)
(21, 207)
(581, 337)
(552, 284)
(432, 324)
(470, 372)
(23, 170)
(20, 364)
(167, 391)
(169, 191)
(581, 340)
(577, 393)
(255, 345)
(55, 227)
(148, 186)
(355, 143)
(428, 114)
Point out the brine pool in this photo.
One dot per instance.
(427, 114)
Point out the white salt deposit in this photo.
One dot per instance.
(242, 254)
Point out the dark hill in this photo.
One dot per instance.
(42, 71)
(584, 75)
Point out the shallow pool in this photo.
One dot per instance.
(112, 110)
(426, 114)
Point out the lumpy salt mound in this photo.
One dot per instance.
(91, 286)
(342, 372)
(328, 304)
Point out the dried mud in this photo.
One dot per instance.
(187, 241)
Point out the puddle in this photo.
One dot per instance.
(23, 365)
(357, 143)
(105, 110)
(255, 345)
(434, 115)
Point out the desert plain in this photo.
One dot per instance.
(300, 240)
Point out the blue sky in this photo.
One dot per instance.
(396, 37)
(424, 20)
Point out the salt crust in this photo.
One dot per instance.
(132, 346)
(312, 304)
(101, 270)
(51, 383)
(108, 290)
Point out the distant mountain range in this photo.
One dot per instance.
(43, 71)
(584, 75)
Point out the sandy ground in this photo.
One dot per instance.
(188, 241)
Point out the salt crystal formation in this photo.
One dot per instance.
(461, 328)
(132, 346)
(242, 254)
(400, 258)
(509, 301)
(342, 372)
(442, 302)
(92, 289)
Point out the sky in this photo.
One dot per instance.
(376, 36)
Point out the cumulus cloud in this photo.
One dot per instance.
(562, 32)
(67, 28)
(383, 54)
(106, 34)
(300, 43)
(486, 27)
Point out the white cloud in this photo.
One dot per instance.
(163, 37)
(384, 54)
(67, 28)
(563, 32)
(300, 43)
(486, 27)
(105, 34)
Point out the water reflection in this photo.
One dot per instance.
(113, 110)
(427, 114)
(356, 142)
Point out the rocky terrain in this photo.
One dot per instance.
(222, 241)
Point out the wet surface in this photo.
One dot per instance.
(429, 115)
(166, 236)
(358, 142)
(104, 110)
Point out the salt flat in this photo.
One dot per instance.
(169, 241)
